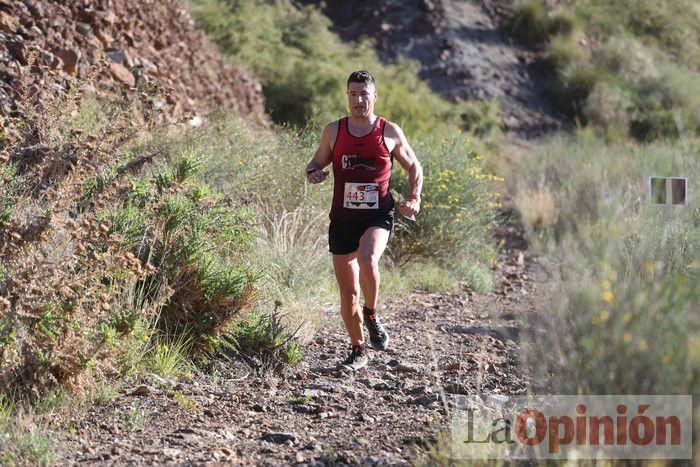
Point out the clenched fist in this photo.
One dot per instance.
(316, 176)
(409, 208)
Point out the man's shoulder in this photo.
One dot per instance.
(391, 129)
(332, 128)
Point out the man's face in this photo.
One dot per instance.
(361, 98)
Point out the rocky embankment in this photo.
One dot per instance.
(141, 41)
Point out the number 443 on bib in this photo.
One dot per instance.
(361, 196)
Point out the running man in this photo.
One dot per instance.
(362, 148)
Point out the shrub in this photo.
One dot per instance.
(100, 234)
(621, 316)
(262, 339)
(456, 209)
(534, 21)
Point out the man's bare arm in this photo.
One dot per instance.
(408, 160)
(322, 157)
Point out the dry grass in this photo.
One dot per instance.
(536, 206)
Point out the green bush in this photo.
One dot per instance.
(188, 232)
(532, 20)
(263, 338)
(456, 210)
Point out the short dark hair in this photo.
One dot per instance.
(360, 76)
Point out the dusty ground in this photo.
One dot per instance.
(442, 344)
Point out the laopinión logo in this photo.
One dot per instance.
(571, 427)
(353, 160)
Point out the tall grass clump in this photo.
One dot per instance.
(23, 441)
(621, 318)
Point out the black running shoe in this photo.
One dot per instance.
(357, 358)
(377, 334)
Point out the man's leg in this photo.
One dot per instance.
(372, 245)
(347, 275)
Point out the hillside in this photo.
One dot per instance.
(166, 291)
(463, 53)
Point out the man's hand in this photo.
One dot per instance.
(409, 208)
(316, 175)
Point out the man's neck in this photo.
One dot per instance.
(362, 122)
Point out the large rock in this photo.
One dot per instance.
(8, 23)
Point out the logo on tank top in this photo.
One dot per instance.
(353, 160)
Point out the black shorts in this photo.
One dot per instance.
(344, 236)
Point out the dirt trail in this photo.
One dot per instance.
(442, 344)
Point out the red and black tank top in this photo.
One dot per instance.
(361, 173)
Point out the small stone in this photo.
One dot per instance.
(84, 28)
(363, 441)
(122, 74)
(117, 56)
(418, 390)
(311, 393)
(8, 23)
(408, 368)
(171, 452)
(426, 400)
(224, 433)
(300, 457)
(70, 59)
(279, 437)
(366, 418)
(141, 390)
(259, 408)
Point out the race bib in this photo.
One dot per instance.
(361, 196)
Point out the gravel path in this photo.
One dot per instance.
(454, 343)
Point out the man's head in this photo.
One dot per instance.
(361, 93)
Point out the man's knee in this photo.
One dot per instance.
(350, 295)
(368, 260)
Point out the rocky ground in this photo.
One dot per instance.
(442, 344)
(50, 44)
(462, 52)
